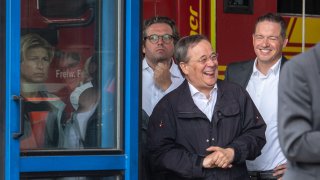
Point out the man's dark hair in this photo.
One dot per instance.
(161, 19)
(276, 18)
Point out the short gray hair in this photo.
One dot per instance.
(183, 45)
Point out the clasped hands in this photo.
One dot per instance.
(218, 157)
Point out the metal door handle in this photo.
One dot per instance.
(17, 135)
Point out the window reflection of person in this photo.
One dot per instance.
(42, 111)
(71, 67)
(82, 127)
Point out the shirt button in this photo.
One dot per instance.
(212, 139)
(207, 140)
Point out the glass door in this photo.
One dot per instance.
(72, 107)
(2, 86)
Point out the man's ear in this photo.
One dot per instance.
(184, 67)
(143, 49)
(285, 43)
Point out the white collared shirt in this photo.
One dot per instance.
(263, 90)
(151, 94)
(206, 105)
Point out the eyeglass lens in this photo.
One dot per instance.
(167, 38)
(212, 57)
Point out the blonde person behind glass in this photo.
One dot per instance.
(43, 111)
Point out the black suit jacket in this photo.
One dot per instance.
(240, 72)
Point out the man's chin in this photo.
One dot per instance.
(211, 84)
(163, 59)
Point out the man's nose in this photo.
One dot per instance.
(211, 62)
(265, 42)
(160, 40)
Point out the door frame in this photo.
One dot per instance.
(128, 161)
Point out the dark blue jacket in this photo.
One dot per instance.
(179, 134)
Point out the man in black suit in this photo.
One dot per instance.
(260, 77)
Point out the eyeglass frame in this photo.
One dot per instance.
(204, 59)
(171, 39)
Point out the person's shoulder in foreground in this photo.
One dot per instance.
(299, 127)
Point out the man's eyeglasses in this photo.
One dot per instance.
(205, 59)
(167, 38)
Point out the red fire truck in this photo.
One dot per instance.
(229, 24)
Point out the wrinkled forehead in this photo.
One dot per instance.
(202, 47)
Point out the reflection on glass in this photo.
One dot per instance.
(118, 177)
(68, 79)
(238, 2)
(81, 129)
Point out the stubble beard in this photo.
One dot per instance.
(162, 59)
(158, 59)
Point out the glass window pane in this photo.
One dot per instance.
(70, 75)
(2, 85)
(238, 6)
(238, 2)
(105, 175)
(78, 178)
(312, 7)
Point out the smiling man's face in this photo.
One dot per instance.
(268, 42)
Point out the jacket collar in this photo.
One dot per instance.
(187, 109)
(248, 69)
(283, 60)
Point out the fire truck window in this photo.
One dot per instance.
(295, 7)
(238, 2)
(238, 6)
(63, 8)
